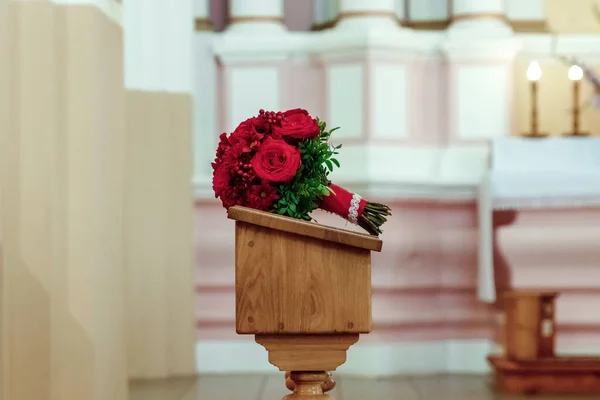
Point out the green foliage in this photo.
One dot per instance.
(303, 194)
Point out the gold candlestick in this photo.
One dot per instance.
(576, 107)
(575, 75)
(534, 106)
(534, 74)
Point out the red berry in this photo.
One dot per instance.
(261, 111)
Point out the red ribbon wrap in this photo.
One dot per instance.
(338, 202)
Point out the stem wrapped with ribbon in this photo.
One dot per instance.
(351, 206)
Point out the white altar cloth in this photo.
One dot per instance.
(533, 174)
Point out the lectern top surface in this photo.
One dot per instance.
(305, 228)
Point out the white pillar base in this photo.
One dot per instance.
(368, 15)
(479, 19)
(482, 28)
(358, 24)
(256, 17)
(257, 28)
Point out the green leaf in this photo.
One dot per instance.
(329, 165)
(292, 207)
(336, 162)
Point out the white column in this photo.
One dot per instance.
(480, 48)
(321, 12)
(333, 9)
(158, 45)
(159, 39)
(432, 10)
(325, 11)
(206, 130)
(478, 8)
(482, 15)
(202, 19)
(401, 10)
(251, 16)
(369, 14)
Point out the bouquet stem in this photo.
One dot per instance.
(373, 217)
(350, 206)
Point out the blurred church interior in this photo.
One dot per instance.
(475, 120)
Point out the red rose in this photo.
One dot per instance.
(248, 135)
(261, 196)
(221, 179)
(276, 161)
(297, 124)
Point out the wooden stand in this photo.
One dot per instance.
(304, 291)
(553, 376)
(529, 330)
(530, 365)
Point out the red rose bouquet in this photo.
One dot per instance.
(280, 162)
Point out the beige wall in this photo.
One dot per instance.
(555, 101)
(572, 16)
(158, 229)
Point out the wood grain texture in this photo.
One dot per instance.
(293, 284)
(530, 325)
(304, 228)
(307, 352)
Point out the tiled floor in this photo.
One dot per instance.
(271, 387)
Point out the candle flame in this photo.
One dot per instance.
(575, 73)
(534, 72)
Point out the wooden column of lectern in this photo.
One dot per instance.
(530, 365)
(304, 291)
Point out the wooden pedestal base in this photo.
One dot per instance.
(328, 384)
(308, 358)
(560, 375)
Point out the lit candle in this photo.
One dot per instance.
(534, 74)
(575, 75)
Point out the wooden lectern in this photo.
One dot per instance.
(304, 291)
